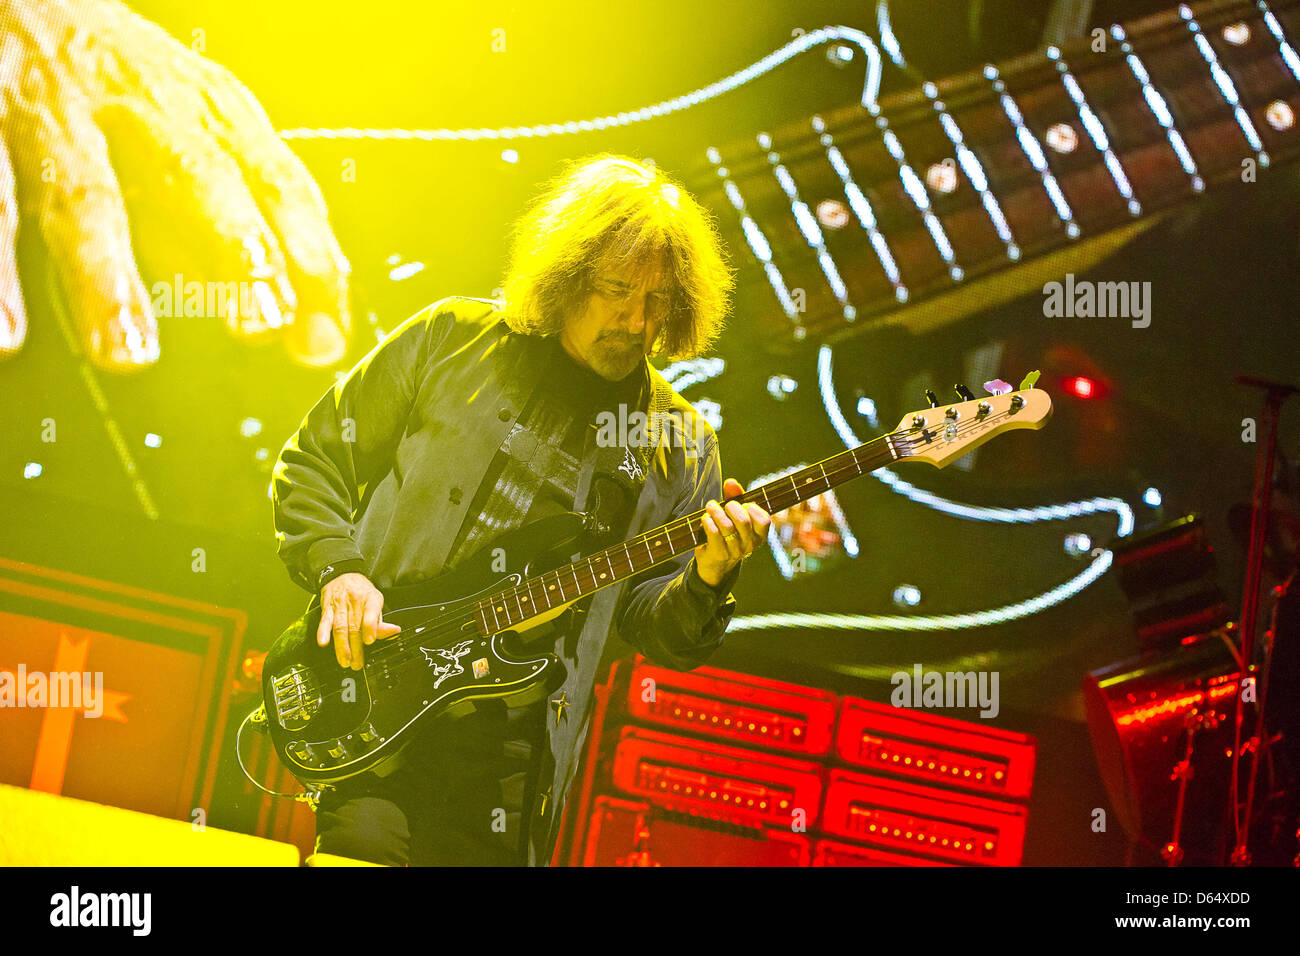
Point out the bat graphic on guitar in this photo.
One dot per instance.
(328, 724)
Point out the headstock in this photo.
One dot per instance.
(943, 433)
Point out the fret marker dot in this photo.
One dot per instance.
(1062, 137)
(602, 574)
(1280, 116)
(1236, 33)
(942, 177)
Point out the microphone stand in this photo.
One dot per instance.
(1261, 504)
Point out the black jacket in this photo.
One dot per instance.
(384, 467)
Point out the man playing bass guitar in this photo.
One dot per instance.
(477, 418)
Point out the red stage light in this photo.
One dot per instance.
(1082, 387)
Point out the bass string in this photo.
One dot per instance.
(401, 647)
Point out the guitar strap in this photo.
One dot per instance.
(613, 474)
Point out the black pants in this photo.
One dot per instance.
(458, 799)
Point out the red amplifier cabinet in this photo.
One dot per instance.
(626, 833)
(830, 853)
(749, 711)
(937, 750)
(717, 782)
(903, 817)
(709, 767)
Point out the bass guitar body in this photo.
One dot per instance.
(328, 722)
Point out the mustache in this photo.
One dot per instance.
(623, 341)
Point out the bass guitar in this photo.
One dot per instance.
(328, 723)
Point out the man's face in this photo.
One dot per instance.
(621, 321)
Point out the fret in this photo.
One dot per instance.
(1033, 151)
(1159, 109)
(1255, 56)
(1123, 92)
(1005, 212)
(559, 582)
(918, 249)
(693, 524)
(920, 198)
(975, 173)
(650, 551)
(546, 592)
(576, 583)
(861, 208)
(518, 604)
(1052, 120)
(790, 496)
(495, 620)
(1225, 85)
(938, 176)
(1288, 52)
(667, 539)
(1095, 131)
(794, 490)
(759, 243)
(808, 226)
(796, 251)
(1195, 105)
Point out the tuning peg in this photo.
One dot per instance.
(931, 398)
(964, 393)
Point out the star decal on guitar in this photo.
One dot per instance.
(561, 705)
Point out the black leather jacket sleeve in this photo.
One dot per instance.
(673, 617)
(345, 443)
